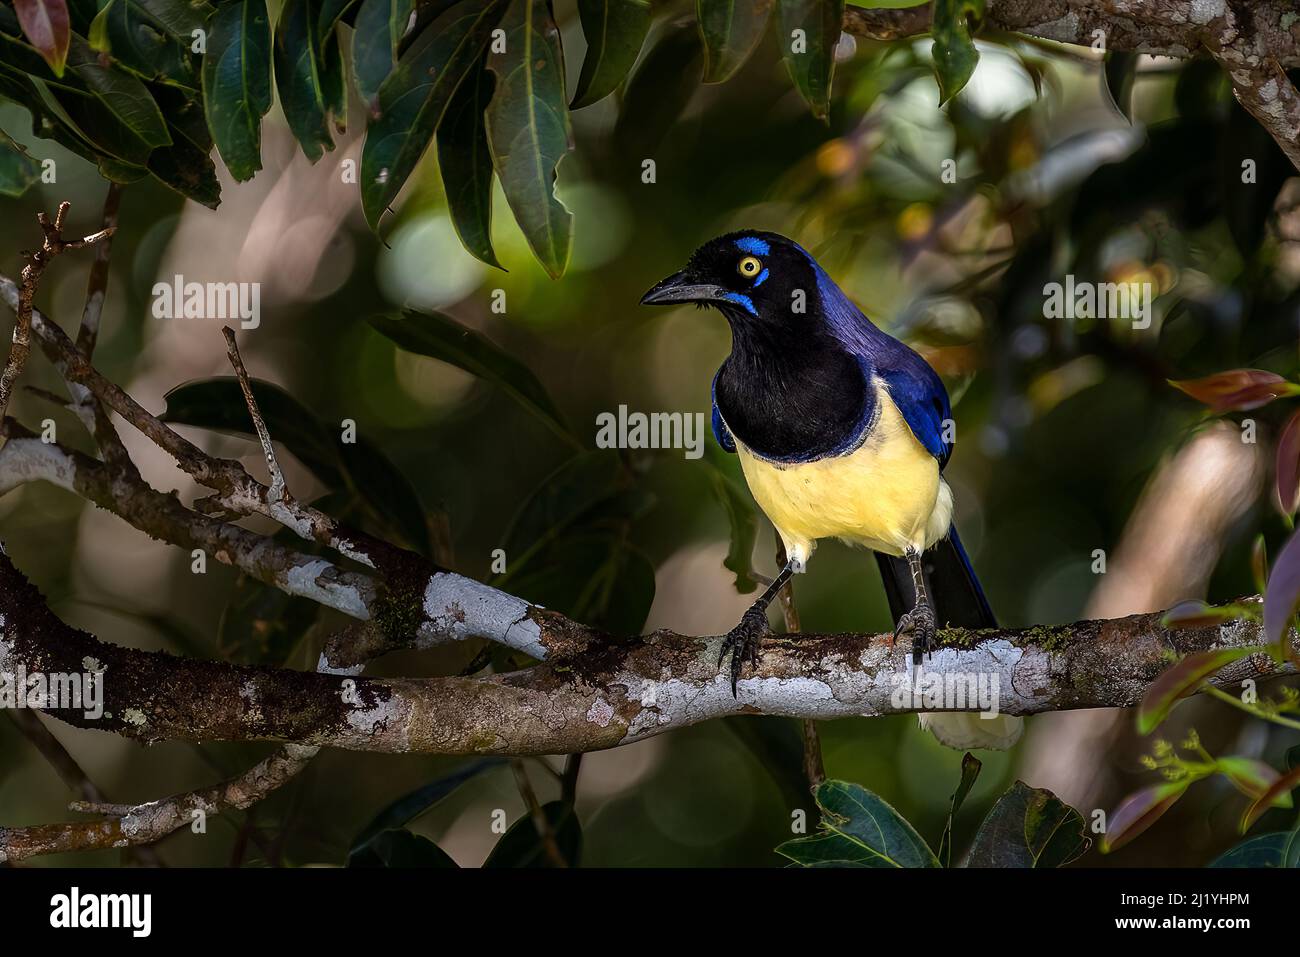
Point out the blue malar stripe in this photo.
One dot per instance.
(762, 277)
(742, 301)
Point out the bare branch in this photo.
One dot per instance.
(52, 245)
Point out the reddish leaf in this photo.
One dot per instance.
(1288, 466)
(1197, 614)
(1139, 811)
(1237, 390)
(1283, 593)
(1259, 563)
(1251, 777)
(1281, 788)
(45, 24)
(1180, 681)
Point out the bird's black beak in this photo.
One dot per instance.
(681, 287)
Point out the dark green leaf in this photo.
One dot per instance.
(360, 468)
(1266, 850)
(237, 83)
(1182, 679)
(411, 805)
(954, 52)
(659, 91)
(615, 31)
(331, 13)
(521, 846)
(378, 31)
(17, 169)
(970, 770)
(731, 29)
(466, 165)
(528, 129)
(401, 848)
(299, 65)
(125, 97)
(141, 42)
(744, 528)
(1117, 78)
(441, 337)
(48, 121)
(414, 98)
(334, 80)
(808, 33)
(858, 830)
(1029, 827)
(45, 23)
(564, 497)
(187, 167)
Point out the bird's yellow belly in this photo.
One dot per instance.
(886, 494)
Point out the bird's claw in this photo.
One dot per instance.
(742, 641)
(918, 625)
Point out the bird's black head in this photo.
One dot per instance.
(756, 279)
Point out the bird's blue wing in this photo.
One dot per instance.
(920, 396)
(720, 430)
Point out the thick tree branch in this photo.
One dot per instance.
(1256, 41)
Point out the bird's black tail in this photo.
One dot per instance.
(958, 598)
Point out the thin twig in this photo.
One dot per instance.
(278, 492)
(538, 814)
(569, 780)
(52, 245)
(97, 284)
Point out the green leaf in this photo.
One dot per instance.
(1117, 78)
(331, 13)
(187, 167)
(521, 846)
(659, 90)
(401, 849)
(46, 24)
(125, 97)
(439, 336)
(1180, 681)
(48, 121)
(744, 528)
(954, 51)
(1029, 827)
(808, 31)
(730, 29)
(299, 65)
(570, 493)
(237, 83)
(262, 625)
(615, 30)
(360, 468)
(1279, 789)
(528, 129)
(970, 770)
(466, 165)
(415, 97)
(135, 33)
(411, 805)
(376, 36)
(1266, 850)
(1139, 811)
(858, 830)
(17, 169)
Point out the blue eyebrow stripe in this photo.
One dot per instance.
(762, 277)
(742, 301)
(753, 245)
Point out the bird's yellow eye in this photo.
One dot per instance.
(749, 266)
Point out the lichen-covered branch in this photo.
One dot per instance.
(1256, 41)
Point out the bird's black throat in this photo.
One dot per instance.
(791, 392)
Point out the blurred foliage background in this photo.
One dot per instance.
(1061, 425)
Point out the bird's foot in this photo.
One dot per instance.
(742, 641)
(919, 626)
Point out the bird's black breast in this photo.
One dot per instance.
(797, 404)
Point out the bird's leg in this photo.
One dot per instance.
(919, 623)
(742, 641)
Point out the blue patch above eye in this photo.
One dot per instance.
(741, 301)
(762, 277)
(753, 245)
